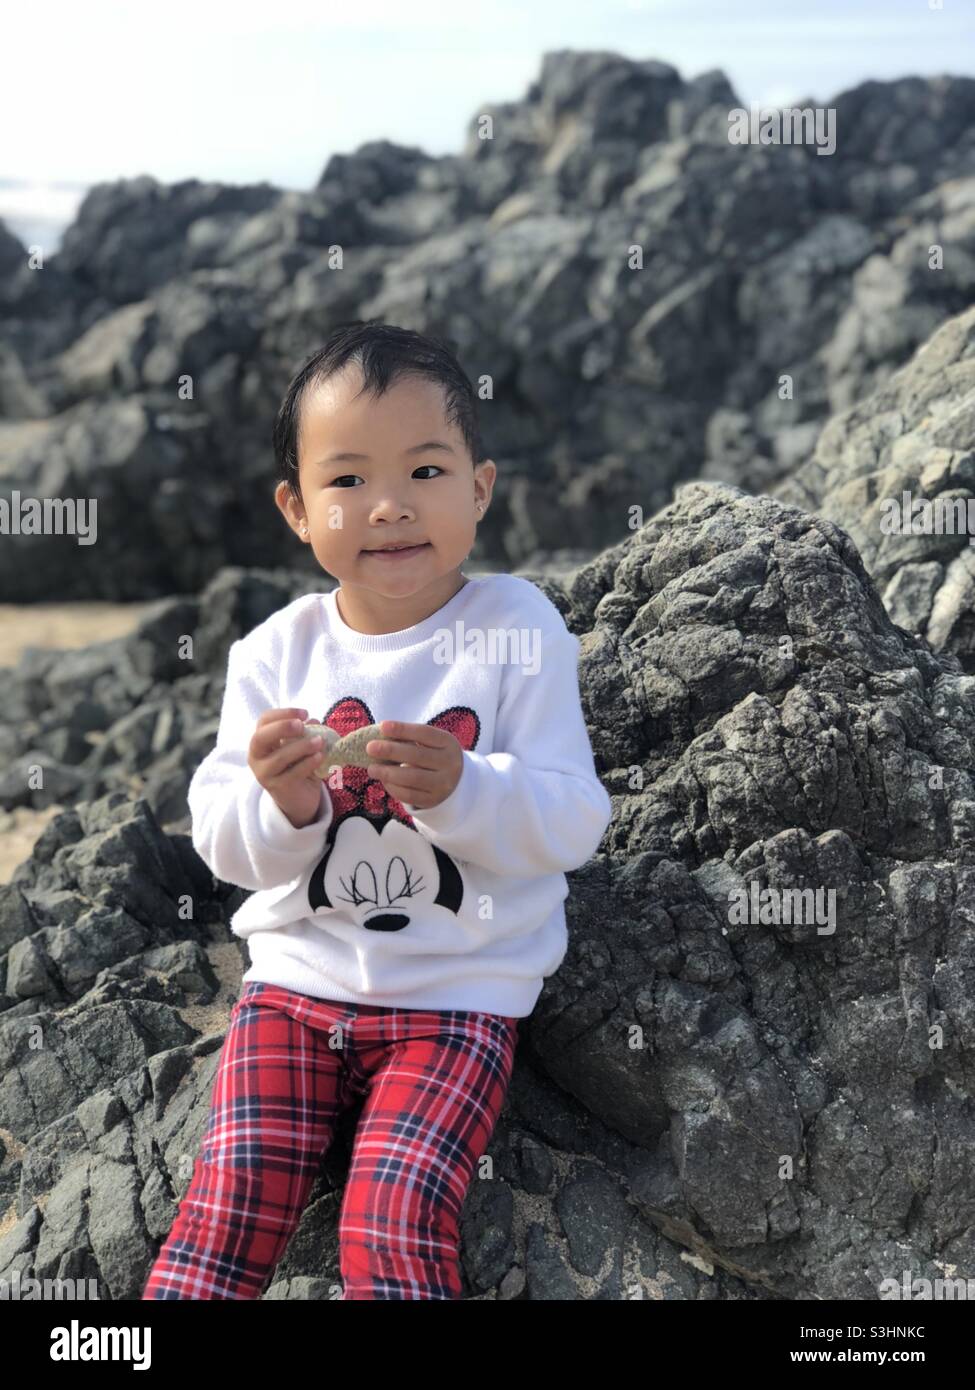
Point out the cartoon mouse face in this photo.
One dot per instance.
(377, 865)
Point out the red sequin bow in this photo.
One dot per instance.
(366, 795)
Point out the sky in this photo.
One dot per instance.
(240, 92)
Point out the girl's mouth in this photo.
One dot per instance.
(403, 554)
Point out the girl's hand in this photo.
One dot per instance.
(432, 759)
(284, 761)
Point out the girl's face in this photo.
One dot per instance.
(381, 470)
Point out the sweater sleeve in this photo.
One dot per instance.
(239, 831)
(535, 805)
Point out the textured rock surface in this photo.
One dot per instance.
(915, 436)
(134, 713)
(142, 366)
(701, 1108)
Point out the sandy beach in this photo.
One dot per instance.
(62, 625)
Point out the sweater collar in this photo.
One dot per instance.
(355, 641)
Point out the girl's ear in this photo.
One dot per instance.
(291, 509)
(485, 473)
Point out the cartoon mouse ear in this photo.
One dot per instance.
(347, 715)
(460, 721)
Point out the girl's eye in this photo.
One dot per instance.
(431, 465)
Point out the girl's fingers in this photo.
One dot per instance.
(413, 754)
(294, 752)
(268, 738)
(289, 713)
(402, 781)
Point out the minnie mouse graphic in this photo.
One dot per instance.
(376, 861)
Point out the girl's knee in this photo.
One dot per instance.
(398, 1246)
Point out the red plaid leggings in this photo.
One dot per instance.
(434, 1084)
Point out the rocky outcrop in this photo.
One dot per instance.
(636, 288)
(912, 439)
(133, 714)
(707, 1103)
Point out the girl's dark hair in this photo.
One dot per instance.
(385, 353)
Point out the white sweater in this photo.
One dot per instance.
(456, 907)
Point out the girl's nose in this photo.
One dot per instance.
(393, 511)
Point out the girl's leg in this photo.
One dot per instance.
(278, 1091)
(438, 1082)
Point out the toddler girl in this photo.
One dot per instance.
(405, 913)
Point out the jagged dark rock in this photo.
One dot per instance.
(134, 713)
(915, 435)
(610, 383)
